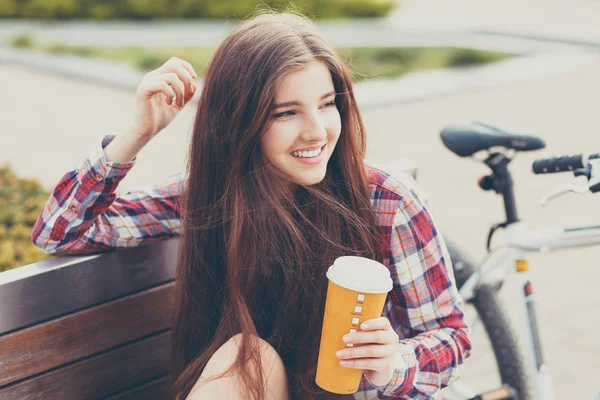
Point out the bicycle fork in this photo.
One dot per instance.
(538, 370)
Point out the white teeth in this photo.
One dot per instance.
(307, 154)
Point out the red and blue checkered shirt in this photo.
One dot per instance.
(84, 214)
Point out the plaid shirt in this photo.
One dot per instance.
(84, 214)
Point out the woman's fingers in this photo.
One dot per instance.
(376, 323)
(183, 69)
(188, 67)
(172, 79)
(367, 351)
(377, 330)
(372, 364)
(381, 337)
(161, 86)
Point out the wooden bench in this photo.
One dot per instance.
(91, 327)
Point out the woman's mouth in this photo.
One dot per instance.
(310, 157)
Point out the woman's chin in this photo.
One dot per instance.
(310, 180)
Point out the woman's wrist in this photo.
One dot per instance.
(125, 147)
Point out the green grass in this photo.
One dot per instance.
(387, 62)
(365, 63)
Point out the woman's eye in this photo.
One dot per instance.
(283, 114)
(330, 104)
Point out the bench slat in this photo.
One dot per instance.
(99, 376)
(39, 292)
(155, 390)
(70, 338)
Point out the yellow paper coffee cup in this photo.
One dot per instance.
(356, 292)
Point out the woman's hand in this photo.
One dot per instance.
(376, 350)
(161, 95)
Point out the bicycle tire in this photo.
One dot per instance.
(496, 324)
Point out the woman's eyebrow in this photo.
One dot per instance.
(299, 103)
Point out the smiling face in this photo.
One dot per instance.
(305, 125)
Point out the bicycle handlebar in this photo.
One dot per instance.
(562, 164)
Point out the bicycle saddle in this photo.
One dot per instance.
(466, 140)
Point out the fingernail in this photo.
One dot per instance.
(338, 353)
(344, 363)
(346, 338)
(365, 326)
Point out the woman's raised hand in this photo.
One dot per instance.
(161, 95)
(158, 99)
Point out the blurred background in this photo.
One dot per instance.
(69, 69)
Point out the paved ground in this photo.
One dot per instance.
(49, 124)
(341, 34)
(569, 20)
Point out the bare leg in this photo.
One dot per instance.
(229, 387)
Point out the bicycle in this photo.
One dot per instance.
(523, 375)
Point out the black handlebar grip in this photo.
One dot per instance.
(558, 164)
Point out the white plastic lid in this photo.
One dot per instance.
(360, 274)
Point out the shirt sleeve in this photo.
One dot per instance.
(425, 307)
(84, 214)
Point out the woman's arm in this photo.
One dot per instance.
(425, 307)
(84, 214)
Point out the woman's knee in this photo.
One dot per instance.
(228, 385)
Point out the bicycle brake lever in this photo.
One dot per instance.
(587, 172)
(564, 190)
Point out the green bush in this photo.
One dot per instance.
(58, 48)
(348, 8)
(149, 62)
(48, 9)
(156, 9)
(23, 41)
(21, 201)
(8, 8)
(466, 57)
(145, 8)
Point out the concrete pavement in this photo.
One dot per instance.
(568, 21)
(391, 32)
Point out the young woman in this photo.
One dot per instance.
(275, 190)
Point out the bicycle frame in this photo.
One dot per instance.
(509, 260)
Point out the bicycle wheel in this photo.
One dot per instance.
(485, 307)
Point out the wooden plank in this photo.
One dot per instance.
(156, 390)
(67, 339)
(49, 289)
(100, 375)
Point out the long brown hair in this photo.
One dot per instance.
(254, 254)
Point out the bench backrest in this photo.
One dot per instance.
(88, 327)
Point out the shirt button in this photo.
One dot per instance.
(99, 178)
(73, 209)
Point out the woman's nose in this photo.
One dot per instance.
(314, 128)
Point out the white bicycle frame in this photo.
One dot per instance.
(509, 260)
